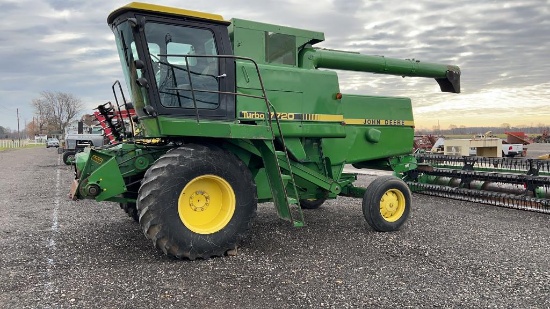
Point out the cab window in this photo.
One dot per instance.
(185, 76)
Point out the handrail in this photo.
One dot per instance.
(125, 106)
(191, 88)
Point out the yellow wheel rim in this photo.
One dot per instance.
(392, 205)
(206, 204)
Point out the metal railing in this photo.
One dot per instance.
(194, 90)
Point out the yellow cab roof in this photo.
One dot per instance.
(146, 7)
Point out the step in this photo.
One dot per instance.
(279, 153)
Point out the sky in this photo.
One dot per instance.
(502, 48)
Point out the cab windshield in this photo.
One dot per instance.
(181, 62)
(184, 74)
(125, 40)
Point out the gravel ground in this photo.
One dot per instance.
(55, 253)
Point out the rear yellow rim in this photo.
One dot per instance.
(206, 204)
(392, 205)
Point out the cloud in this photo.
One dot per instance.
(501, 47)
(514, 105)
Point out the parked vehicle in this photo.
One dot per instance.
(512, 150)
(52, 142)
(75, 143)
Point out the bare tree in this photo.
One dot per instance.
(88, 119)
(55, 110)
(42, 112)
(32, 128)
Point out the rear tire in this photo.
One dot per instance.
(387, 204)
(196, 201)
(312, 203)
(131, 210)
(68, 157)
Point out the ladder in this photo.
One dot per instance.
(281, 181)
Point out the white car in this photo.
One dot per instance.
(52, 142)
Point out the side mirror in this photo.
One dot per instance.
(139, 64)
(149, 110)
(143, 82)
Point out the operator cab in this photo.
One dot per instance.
(171, 64)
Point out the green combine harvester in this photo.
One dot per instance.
(234, 113)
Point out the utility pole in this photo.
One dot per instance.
(18, 134)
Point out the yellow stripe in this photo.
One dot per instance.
(326, 117)
(354, 121)
(380, 122)
(330, 118)
(171, 10)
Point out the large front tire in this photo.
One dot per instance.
(387, 204)
(196, 201)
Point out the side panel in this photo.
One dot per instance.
(317, 88)
(376, 127)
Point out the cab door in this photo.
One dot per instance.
(189, 78)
